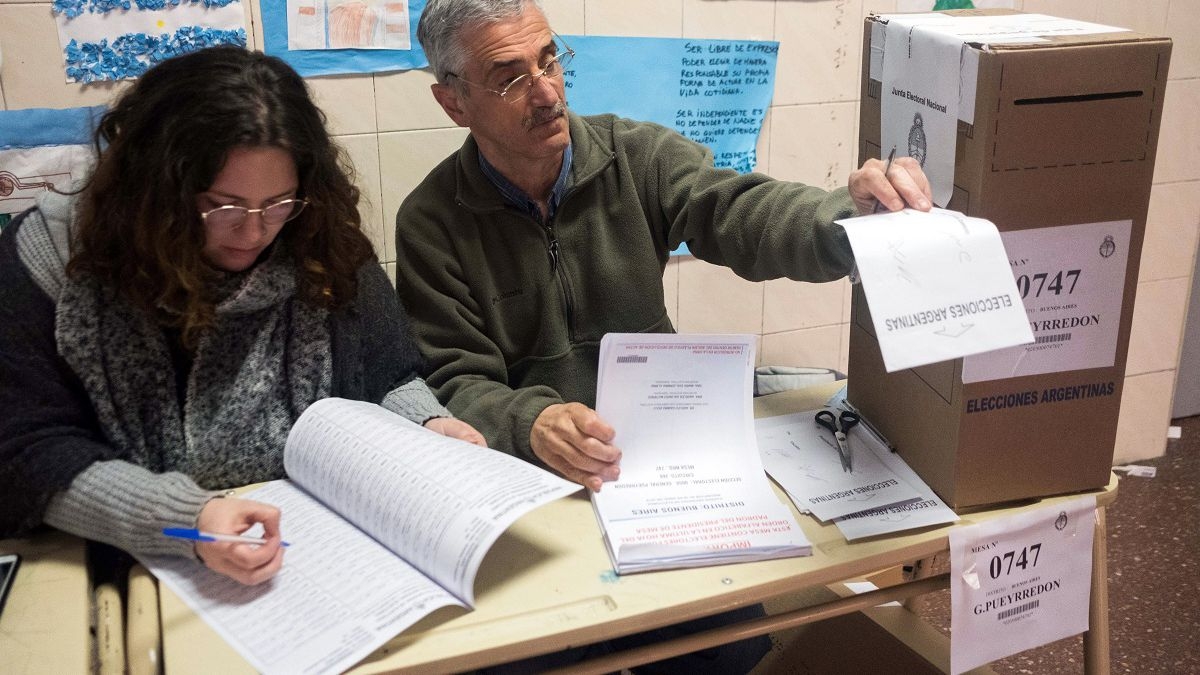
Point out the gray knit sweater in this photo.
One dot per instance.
(56, 464)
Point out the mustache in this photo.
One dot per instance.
(543, 115)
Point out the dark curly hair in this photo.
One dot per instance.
(164, 142)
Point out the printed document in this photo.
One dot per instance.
(938, 284)
(386, 521)
(692, 490)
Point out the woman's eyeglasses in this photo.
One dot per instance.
(232, 217)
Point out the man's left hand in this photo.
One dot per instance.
(904, 185)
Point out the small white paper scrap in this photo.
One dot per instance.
(1139, 470)
(938, 284)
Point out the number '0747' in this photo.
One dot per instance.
(1062, 283)
(1004, 563)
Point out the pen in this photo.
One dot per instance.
(891, 155)
(197, 535)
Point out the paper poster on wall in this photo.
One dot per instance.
(106, 40)
(40, 150)
(1072, 280)
(715, 92)
(339, 37)
(343, 24)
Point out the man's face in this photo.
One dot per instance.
(531, 129)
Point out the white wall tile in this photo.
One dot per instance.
(1145, 16)
(1145, 416)
(32, 71)
(405, 158)
(819, 52)
(792, 305)
(1179, 135)
(348, 102)
(712, 299)
(815, 347)
(813, 144)
(1158, 317)
(635, 18)
(1172, 231)
(363, 151)
(1183, 26)
(404, 102)
(566, 16)
(1083, 10)
(729, 20)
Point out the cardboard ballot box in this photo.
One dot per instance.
(1056, 147)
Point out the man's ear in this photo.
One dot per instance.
(448, 97)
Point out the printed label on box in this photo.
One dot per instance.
(1072, 281)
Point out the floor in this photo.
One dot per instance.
(1154, 574)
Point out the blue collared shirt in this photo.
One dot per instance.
(521, 201)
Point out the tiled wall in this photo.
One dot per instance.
(395, 133)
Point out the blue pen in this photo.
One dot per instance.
(197, 535)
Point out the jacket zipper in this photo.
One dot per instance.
(564, 284)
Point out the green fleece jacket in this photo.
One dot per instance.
(509, 314)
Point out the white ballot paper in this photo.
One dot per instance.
(802, 457)
(692, 490)
(1020, 582)
(938, 284)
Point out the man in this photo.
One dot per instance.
(547, 230)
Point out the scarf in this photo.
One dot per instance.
(266, 358)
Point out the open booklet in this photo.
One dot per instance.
(386, 521)
(692, 489)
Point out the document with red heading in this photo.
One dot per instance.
(692, 490)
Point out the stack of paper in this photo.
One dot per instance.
(692, 490)
(880, 495)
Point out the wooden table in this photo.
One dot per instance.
(44, 628)
(548, 584)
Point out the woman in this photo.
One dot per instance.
(162, 329)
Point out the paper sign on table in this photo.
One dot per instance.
(1020, 582)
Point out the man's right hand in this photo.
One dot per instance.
(572, 439)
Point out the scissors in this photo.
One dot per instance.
(840, 426)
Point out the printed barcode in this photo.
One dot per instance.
(1061, 337)
(632, 359)
(1017, 610)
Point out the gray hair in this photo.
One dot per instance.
(444, 21)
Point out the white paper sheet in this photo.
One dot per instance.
(938, 284)
(1020, 582)
(692, 490)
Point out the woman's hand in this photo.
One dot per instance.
(455, 428)
(248, 563)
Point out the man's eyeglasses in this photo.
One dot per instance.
(519, 87)
(232, 217)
